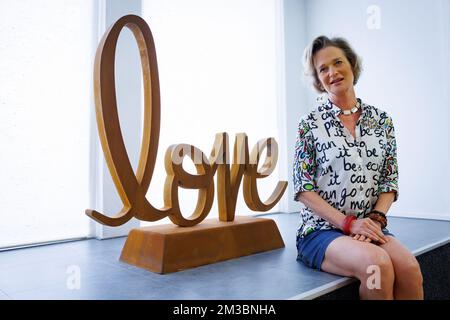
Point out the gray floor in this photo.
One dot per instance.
(45, 272)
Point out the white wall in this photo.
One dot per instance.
(128, 77)
(406, 68)
(295, 91)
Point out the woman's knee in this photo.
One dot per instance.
(375, 259)
(409, 270)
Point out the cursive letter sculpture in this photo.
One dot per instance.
(132, 188)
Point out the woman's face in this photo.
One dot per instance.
(334, 70)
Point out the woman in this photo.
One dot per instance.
(345, 173)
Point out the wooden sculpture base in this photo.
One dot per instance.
(170, 248)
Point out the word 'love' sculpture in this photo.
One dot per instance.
(132, 188)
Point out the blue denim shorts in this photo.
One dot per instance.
(311, 248)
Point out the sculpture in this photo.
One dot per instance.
(132, 188)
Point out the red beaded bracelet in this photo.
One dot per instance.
(347, 224)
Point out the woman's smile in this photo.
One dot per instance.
(337, 81)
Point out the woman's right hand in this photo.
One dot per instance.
(368, 228)
(360, 237)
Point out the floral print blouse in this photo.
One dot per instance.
(346, 172)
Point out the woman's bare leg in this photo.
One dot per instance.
(408, 277)
(364, 261)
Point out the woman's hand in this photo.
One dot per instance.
(360, 237)
(369, 229)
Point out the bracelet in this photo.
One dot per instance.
(347, 224)
(378, 217)
(379, 213)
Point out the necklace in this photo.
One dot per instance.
(352, 110)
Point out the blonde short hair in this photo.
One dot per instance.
(323, 42)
